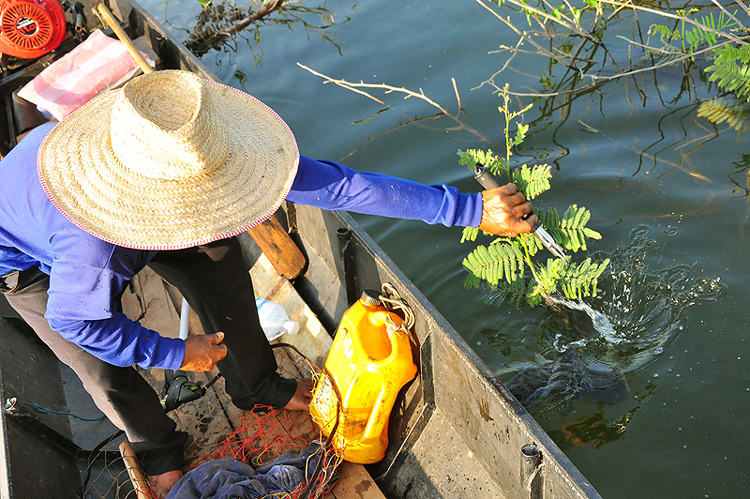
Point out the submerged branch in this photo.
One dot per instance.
(267, 8)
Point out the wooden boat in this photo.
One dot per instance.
(455, 431)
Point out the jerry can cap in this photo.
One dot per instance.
(371, 297)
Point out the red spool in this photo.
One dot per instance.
(30, 28)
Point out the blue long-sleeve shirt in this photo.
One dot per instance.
(86, 273)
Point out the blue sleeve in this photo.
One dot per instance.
(81, 308)
(332, 186)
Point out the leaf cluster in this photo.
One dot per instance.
(571, 232)
(702, 33)
(506, 262)
(474, 158)
(730, 70)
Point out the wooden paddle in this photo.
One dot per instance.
(270, 236)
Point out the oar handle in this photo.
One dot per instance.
(137, 477)
(112, 23)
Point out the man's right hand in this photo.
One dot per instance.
(203, 351)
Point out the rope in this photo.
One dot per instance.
(46, 410)
(327, 444)
(392, 301)
(9, 403)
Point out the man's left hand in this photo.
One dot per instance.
(503, 212)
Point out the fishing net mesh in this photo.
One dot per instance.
(266, 433)
(260, 436)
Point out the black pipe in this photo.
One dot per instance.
(346, 252)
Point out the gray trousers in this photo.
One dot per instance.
(214, 280)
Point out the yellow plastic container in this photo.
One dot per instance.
(369, 362)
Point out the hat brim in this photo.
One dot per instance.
(84, 179)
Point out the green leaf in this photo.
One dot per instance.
(532, 181)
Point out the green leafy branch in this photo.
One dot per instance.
(730, 70)
(703, 33)
(506, 262)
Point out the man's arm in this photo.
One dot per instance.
(332, 186)
(81, 307)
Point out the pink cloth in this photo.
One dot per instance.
(97, 64)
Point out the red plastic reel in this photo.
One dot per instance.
(30, 28)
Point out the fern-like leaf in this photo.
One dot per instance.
(547, 277)
(579, 281)
(469, 234)
(730, 70)
(532, 181)
(473, 157)
(533, 244)
(571, 232)
(498, 261)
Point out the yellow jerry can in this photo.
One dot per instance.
(369, 362)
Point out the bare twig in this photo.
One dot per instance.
(267, 8)
(523, 35)
(387, 89)
(685, 19)
(725, 11)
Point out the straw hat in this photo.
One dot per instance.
(169, 161)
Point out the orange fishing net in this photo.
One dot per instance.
(266, 433)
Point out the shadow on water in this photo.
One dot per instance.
(588, 351)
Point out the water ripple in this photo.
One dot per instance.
(637, 313)
(647, 308)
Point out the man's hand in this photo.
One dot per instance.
(503, 210)
(203, 351)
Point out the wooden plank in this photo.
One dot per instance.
(278, 246)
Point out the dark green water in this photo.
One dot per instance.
(667, 190)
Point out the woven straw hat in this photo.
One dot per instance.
(169, 161)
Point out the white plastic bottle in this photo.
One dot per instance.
(274, 319)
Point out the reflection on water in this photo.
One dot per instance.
(596, 429)
(588, 349)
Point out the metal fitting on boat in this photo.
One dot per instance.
(531, 470)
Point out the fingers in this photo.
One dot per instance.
(521, 226)
(503, 211)
(202, 352)
(518, 199)
(215, 338)
(509, 189)
(523, 210)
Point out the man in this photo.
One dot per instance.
(163, 172)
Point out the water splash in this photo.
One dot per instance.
(636, 314)
(601, 322)
(647, 308)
